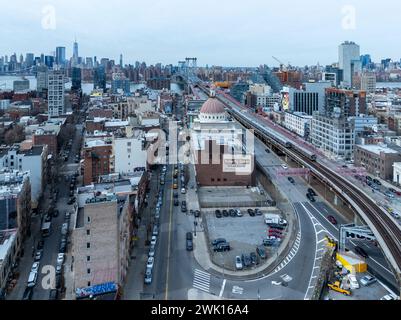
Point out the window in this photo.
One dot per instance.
(88, 258)
(88, 245)
(89, 219)
(212, 179)
(88, 271)
(89, 283)
(88, 232)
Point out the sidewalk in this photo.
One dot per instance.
(134, 283)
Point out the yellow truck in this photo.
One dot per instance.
(337, 287)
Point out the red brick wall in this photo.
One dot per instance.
(96, 163)
(211, 173)
(50, 140)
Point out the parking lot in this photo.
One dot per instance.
(243, 234)
(374, 291)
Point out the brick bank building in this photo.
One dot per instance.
(221, 154)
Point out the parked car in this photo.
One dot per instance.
(232, 213)
(55, 213)
(251, 212)
(260, 250)
(53, 294)
(368, 280)
(38, 255)
(148, 276)
(377, 182)
(218, 241)
(183, 209)
(354, 284)
(312, 192)
(226, 213)
(71, 200)
(267, 150)
(176, 203)
(285, 167)
(238, 263)
(150, 263)
(35, 267)
(33, 276)
(332, 220)
(291, 180)
(246, 260)
(258, 212)
(27, 293)
(375, 186)
(189, 244)
(238, 213)
(218, 214)
(254, 258)
(310, 198)
(153, 241)
(269, 242)
(183, 191)
(40, 245)
(222, 247)
(197, 214)
(152, 251)
(361, 252)
(389, 194)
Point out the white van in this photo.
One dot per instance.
(354, 284)
(33, 276)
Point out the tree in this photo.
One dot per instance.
(14, 135)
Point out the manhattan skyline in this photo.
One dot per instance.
(223, 33)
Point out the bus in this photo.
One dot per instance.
(46, 229)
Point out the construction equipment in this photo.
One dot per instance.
(336, 286)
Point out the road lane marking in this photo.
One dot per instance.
(222, 288)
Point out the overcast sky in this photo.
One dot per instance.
(217, 32)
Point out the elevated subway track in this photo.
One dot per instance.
(388, 234)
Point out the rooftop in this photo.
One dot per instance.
(377, 149)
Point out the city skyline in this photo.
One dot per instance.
(166, 32)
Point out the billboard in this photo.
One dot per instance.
(285, 100)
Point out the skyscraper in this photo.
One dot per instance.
(99, 78)
(29, 59)
(49, 61)
(76, 79)
(60, 56)
(349, 61)
(75, 54)
(121, 60)
(56, 93)
(42, 78)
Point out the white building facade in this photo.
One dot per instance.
(299, 123)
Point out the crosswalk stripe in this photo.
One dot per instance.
(201, 288)
(197, 271)
(201, 280)
(202, 276)
(201, 284)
